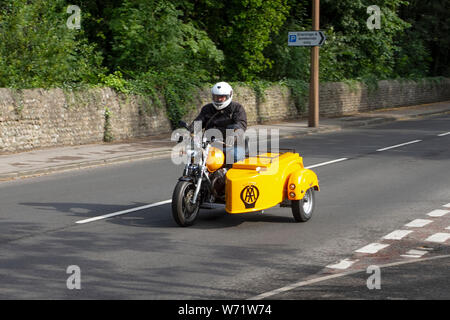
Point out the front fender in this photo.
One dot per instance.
(303, 180)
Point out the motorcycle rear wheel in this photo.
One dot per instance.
(183, 211)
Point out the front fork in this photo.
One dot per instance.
(200, 179)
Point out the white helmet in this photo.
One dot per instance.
(222, 93)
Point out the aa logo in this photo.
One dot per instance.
(249, 195)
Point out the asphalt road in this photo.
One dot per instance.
(145, 255)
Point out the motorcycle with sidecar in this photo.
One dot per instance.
(253, 184)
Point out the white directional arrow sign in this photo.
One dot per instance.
(306, 38)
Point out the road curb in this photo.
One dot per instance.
(83, 165)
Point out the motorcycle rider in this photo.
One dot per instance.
(227, 116)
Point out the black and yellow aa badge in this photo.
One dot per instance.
(249, 195)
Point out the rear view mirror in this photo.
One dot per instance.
(182, 124)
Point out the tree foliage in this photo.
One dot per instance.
(361, 51)
(426, 44)
(248, 31)
(154, 48)
(164, 49)
(38, 50)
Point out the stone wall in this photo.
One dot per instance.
(37, 118)
(338, 98)
(276, 105)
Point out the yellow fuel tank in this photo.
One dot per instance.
(216, 159)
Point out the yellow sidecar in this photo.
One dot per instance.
(261, 182)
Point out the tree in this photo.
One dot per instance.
(364, 52)
(156, 49)
(427, 43)
(241, 29)
(37, 49)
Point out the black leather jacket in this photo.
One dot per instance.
(231, 117)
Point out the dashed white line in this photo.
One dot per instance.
(438, 213)
(418, 223)
(397, 234)
(325, 163)
(438, 237)
(372, 248)
(443, 134)
(342, 265)
(414, 254)
(410, 256)
(333, 276)
(399, 145)
(124, 212)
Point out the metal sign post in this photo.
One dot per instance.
(312, 39)
(314, 83)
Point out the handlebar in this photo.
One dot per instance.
(212, 140)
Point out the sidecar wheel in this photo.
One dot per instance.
(183, 211)
(303, 209)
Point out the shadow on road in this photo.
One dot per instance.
(152, 261)
(158, 217)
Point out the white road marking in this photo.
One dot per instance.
(343, 264)
(124, 212)
(372, 248)
(325, 163)
(399, 145)
(414, 254)
(397, 234)
(448, 228)
(417, 252)
(438, 213)
(443, 134)
(409, 256)
(438, 237)
(295, 285)
(418, 223)
(447, 205)
(333, 276)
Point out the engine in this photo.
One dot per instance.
(218, 184)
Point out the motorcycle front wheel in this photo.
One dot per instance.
(183, 211)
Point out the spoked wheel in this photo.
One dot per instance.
(303, 209)
(183, 211)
